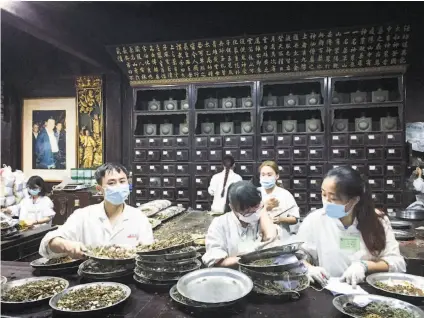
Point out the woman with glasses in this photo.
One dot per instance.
(245, 229)
(35, 209)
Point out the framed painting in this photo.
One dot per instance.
(49, 131)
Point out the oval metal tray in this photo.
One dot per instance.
(410, 215)
(146, 262)
(192, 251)
(215, 285)
(150, 282)
(123, 268)
(157, 276)
(244, 262)
(417, 281)
(404, 235)
(166, 250)
(20, 282)
(56, 298)
(396, 224)
(156, 268)
(271, 252)
(340, 301)
(102, 277)
(40, 263)
(300, 269)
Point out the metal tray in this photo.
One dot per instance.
(154, 276)
(155, 223)
(146, 262)
(62, 271)
(160, 268)
(168, 217)
(404, 235)
(396, 224)
(85, 270)
(56, 298)
(102, 277)
(410, 215)
(272, 252)
(168, 256)
(110, 260)
(180, 299)
(300, 269)
(167, 250)
(417, 281)
(340, 301)
(20, 282)
(147, 283)
(12, 223)
(243, 262)
(273, 288)
(215, 285)
(40, 263)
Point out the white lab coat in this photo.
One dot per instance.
(286, 200)
(419, 186)
(227, 238)
(215, 189)
(29, 210)
(322, 236)
(91, 226)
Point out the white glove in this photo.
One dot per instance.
(355, 274)
(318, 275)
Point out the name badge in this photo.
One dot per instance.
(350, 243)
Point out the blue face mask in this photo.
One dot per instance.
(117, 194)
(268, 182)
(33, 191)
(336, 211)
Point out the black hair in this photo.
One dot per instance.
(350, 184)
(228, 162)
(244, 195)
(106, 168)
(37, 181)
(227, 201)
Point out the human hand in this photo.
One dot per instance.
(379, 212)
(75, 250)
(355, 274)
(29, 224)
(277, 219)
(419, 172)
(318, 274)
(6, 210)
(271, 203)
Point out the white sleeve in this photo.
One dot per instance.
(215, 244)
(47, 208)
(306, 235)
(145, 235)
(213, 185)
(71, 231)
(286, 201)
(391, 254)
(16, 209)
(419, 184)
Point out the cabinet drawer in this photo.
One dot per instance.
(183, 195)
(181, 155)
(299, 170)
(378, 197)
(375, 154)
(300, 197)
(315, 198)
(394, 170)
(284, 183)
(356, 139)
(338, 153)
(247, 169)
(155, 182)
(316, 140)
(202, 206)
(267, 141)
(140, 169)
(140, 155)
(267, 154)
(231, 141)
(215, 141)
(141, 194)
(284, 170)
(375, 170)
(232, 152)
(283, 154)
(316, 170)
(140, 143)
(374, 139)
(155, 194)
(201, 155)
(182, 169)
(393, 198)
(316, 153)
(246, 154)
(155, 168)
(201, 169)
(168, 155)
(284, 141)
(153, 155)
(299, 154)
(300, 140)
(202, 195)
(182, 182)
(360, 168)
(315, 184)
(168, 182)
(201, 142)
(168, 142)
(182, 142)
(141, 181)
(168, 169)
(393, 184)
(201, 182)
(393, 153)
(214, 168)
(356, 154)
(168, 194)
(154, 142)
(376, 183)
(299, 184)
(339, 140)
(246, 141)
(394, 138)
(215, 155)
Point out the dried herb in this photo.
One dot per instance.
(92, 266)
(263, 262)
(405, 288)
(377, 310)
(112, 252)
(4, 225)
(91, 298)
(34, 290)
(166, 243)
(60, 260)
(171, 268)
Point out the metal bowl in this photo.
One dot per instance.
(53, 302)
(20, 282)
(147, 262)
(177, 255)
(340, 301)
(150, 282)
(147, 275)
(172, 268)
(417, 281)
(41, 264)
(167, 250)
(215, 285)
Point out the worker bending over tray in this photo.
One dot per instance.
(245, 229)
(109, 222)
(347, 238)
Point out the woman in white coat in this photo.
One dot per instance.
(37, 208)
(220, 182)
(347, 238)
(246, 228)
(280, 203)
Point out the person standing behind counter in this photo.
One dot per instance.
(347, 238)
(106, 223)
(245, 229)
(36, 209)
(220, 182)
(279, 202)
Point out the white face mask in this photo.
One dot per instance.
(251, 219)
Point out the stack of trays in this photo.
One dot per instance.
(9, 229)
(153, 207)
(276, 271)
(55, 266)
(97, 270)
(164, 267)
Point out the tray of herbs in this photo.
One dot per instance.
(44, 263)
(158, 268)
(399, 284)
(374, 306)
(186, 302)
(111, 253)
(173, 255)
(156, 276)
(32, 290)
(279, 287)
(165, 246)
(90, 297)
(146, 262)
(97, 270)
(149, 283)
(301, 269)
(154, 222)
(169, 213)
(8, 224)
(278, 263)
